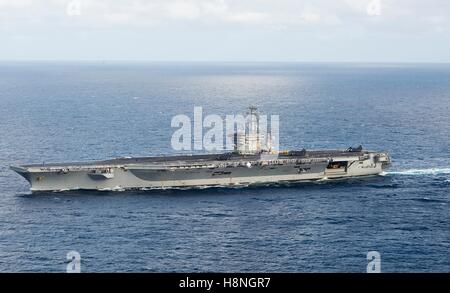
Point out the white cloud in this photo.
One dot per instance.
(266, 13)
(158, 27)
(248, 17)
(184, 9)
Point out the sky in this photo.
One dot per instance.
(226, 30)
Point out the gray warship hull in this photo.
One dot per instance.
(198, 171)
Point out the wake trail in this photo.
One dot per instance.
(428, 171)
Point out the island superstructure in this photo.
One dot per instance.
(249, 164)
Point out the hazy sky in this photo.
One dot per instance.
(226, 30)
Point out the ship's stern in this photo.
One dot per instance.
(384, 159)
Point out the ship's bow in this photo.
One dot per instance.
(22, 171)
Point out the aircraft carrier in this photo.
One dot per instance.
(248, 164)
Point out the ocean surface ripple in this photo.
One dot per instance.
(83, 111)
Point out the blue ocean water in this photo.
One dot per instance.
(82, 111)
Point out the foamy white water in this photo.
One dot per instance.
(429, 171)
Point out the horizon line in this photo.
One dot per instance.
(221, 61)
